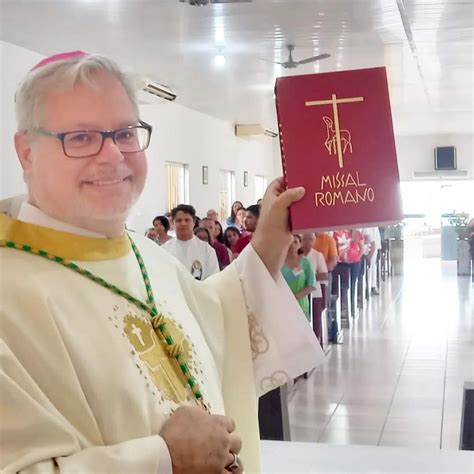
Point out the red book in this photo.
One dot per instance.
(336, 139)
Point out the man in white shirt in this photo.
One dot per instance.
(196, 255)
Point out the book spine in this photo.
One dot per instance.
(280, 137)
(282, 151)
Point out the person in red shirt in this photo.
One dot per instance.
(350, 245)
(221, 249)
(252, 214)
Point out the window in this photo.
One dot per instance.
(226, 192)
(260, 187)
(177, 181)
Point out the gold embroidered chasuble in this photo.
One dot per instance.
(87, 383)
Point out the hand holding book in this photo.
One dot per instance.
(273, 236)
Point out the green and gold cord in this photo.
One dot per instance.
(158, 320)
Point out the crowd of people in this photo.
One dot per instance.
(207, 245)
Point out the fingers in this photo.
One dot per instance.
(235, 444)
(232, 458)
(186, 450)
(227, 422)
(230, 424)
(276, 187)
(291, 195)
(229, 459)
(286, 196)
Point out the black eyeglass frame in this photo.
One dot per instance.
(104, 133)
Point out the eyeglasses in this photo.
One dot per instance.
(85, 143)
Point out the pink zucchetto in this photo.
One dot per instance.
(60, 57)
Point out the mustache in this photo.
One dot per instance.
(109, 174)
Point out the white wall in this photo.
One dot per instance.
(180, 134)
(415, 153)
(15, 62)
(186, 136)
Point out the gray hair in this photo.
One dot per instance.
(63, 74)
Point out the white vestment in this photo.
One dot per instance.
(196, 255)
(86, 383)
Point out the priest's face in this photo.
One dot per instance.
(94, 192)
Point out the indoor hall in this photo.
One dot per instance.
(389, 394)
(397, 379)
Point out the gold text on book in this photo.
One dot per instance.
(340, 188)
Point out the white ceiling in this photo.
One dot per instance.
(427, 46)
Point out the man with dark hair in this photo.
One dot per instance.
(221, 249)
(252, 214)
(197, 256)
(186, 208)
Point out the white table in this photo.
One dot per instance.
(295, 457)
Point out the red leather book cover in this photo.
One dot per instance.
(336, 140)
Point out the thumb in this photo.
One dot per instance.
(291, 195)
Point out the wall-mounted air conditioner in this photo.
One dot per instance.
(158, 90)
(246, 130)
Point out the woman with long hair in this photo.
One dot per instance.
(239, 220)
(233, 212)
(299, 274)
(219, 234)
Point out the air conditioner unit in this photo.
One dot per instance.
(446, 174)
(245, 130)
(158, 90)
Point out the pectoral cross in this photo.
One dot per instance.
(138, 332)
(334, 101)
(162, 368)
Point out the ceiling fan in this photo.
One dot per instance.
(291, 63)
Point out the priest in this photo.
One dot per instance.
(114, 358)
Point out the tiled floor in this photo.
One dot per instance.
(397, 379)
